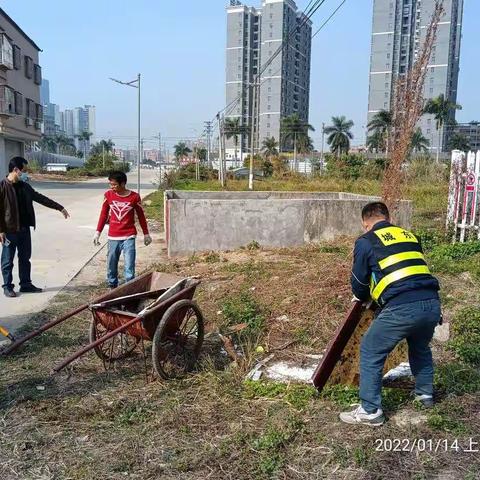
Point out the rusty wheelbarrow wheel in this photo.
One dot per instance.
(175, 351)
(116, 348)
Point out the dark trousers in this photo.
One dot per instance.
(414, 322)
(21, 242)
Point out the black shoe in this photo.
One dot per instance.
(30, 289)
(426, 400)
(9, 293)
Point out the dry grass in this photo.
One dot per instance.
(88, 423)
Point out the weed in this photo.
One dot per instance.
(302, 336)
(134, 414)
(457, 379)
(465, 340)
(298, 396)
(443, 418)
(361, 455)
(341, 395)
(253, 245)
(212, 257)
(243, 309)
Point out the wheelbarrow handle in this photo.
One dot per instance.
(42, 329)
(97, 342)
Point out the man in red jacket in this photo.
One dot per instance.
(119, 207)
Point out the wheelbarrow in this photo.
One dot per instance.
(156, 307)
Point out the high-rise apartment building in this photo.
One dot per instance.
(399, 30)
(253, 37)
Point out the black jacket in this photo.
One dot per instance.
(9, 214)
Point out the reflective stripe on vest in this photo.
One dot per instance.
(377, 290)
(400, 257)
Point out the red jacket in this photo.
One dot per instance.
(120, 211)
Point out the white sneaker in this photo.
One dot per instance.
(426, 400)
(359, 415)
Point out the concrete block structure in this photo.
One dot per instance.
(218, 221)
(21, 112)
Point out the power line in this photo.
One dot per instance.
(329, 18)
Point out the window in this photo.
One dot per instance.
(18, 103)
(28, 67)
(38, 112)
(17, 57)
(6, 52)
(30, 113)
(37, 74)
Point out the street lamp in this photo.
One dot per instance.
(135, 84)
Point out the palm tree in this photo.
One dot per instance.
(101, 147)
(305, 145)
(270, 147)
(65, 144)
(181, 151)
(441, 108)
(84, 138)
(459, 141)
(294, 128)
(419, 143)
(339, 134)
(376, 141)
(381, 124)
(232, 129)
(48, 144)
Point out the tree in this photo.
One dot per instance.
(181, 151)
(201, 153)
(84, 138)
(441, 108)
(339, 135)
(233, 129)
(66, 145)
(270, 147)
(458, 141)
(294, 128)
(101, 147)
(380, 125)
(305, 145)
(376, 141)
(48, 144)
(419, 143)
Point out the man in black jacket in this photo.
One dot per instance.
(17, 215)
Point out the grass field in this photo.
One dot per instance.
(90, 423)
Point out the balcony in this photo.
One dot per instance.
(7, 102)
(6, 53)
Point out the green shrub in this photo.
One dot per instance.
(456, 251)
(465, 340)
(457, 379)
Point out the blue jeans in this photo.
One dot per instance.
(22, 242)
(115, 248)
(414, 322)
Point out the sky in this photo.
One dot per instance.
(179, 48)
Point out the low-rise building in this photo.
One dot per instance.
(21, 112)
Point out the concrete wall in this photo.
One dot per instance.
(202, 221)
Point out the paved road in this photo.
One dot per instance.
(61, 247)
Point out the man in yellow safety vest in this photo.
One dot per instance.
(389, 267)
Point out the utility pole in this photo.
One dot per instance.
(103, 154)
(323, 143)
(252, 134)
(208, 131)
(135, 84)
